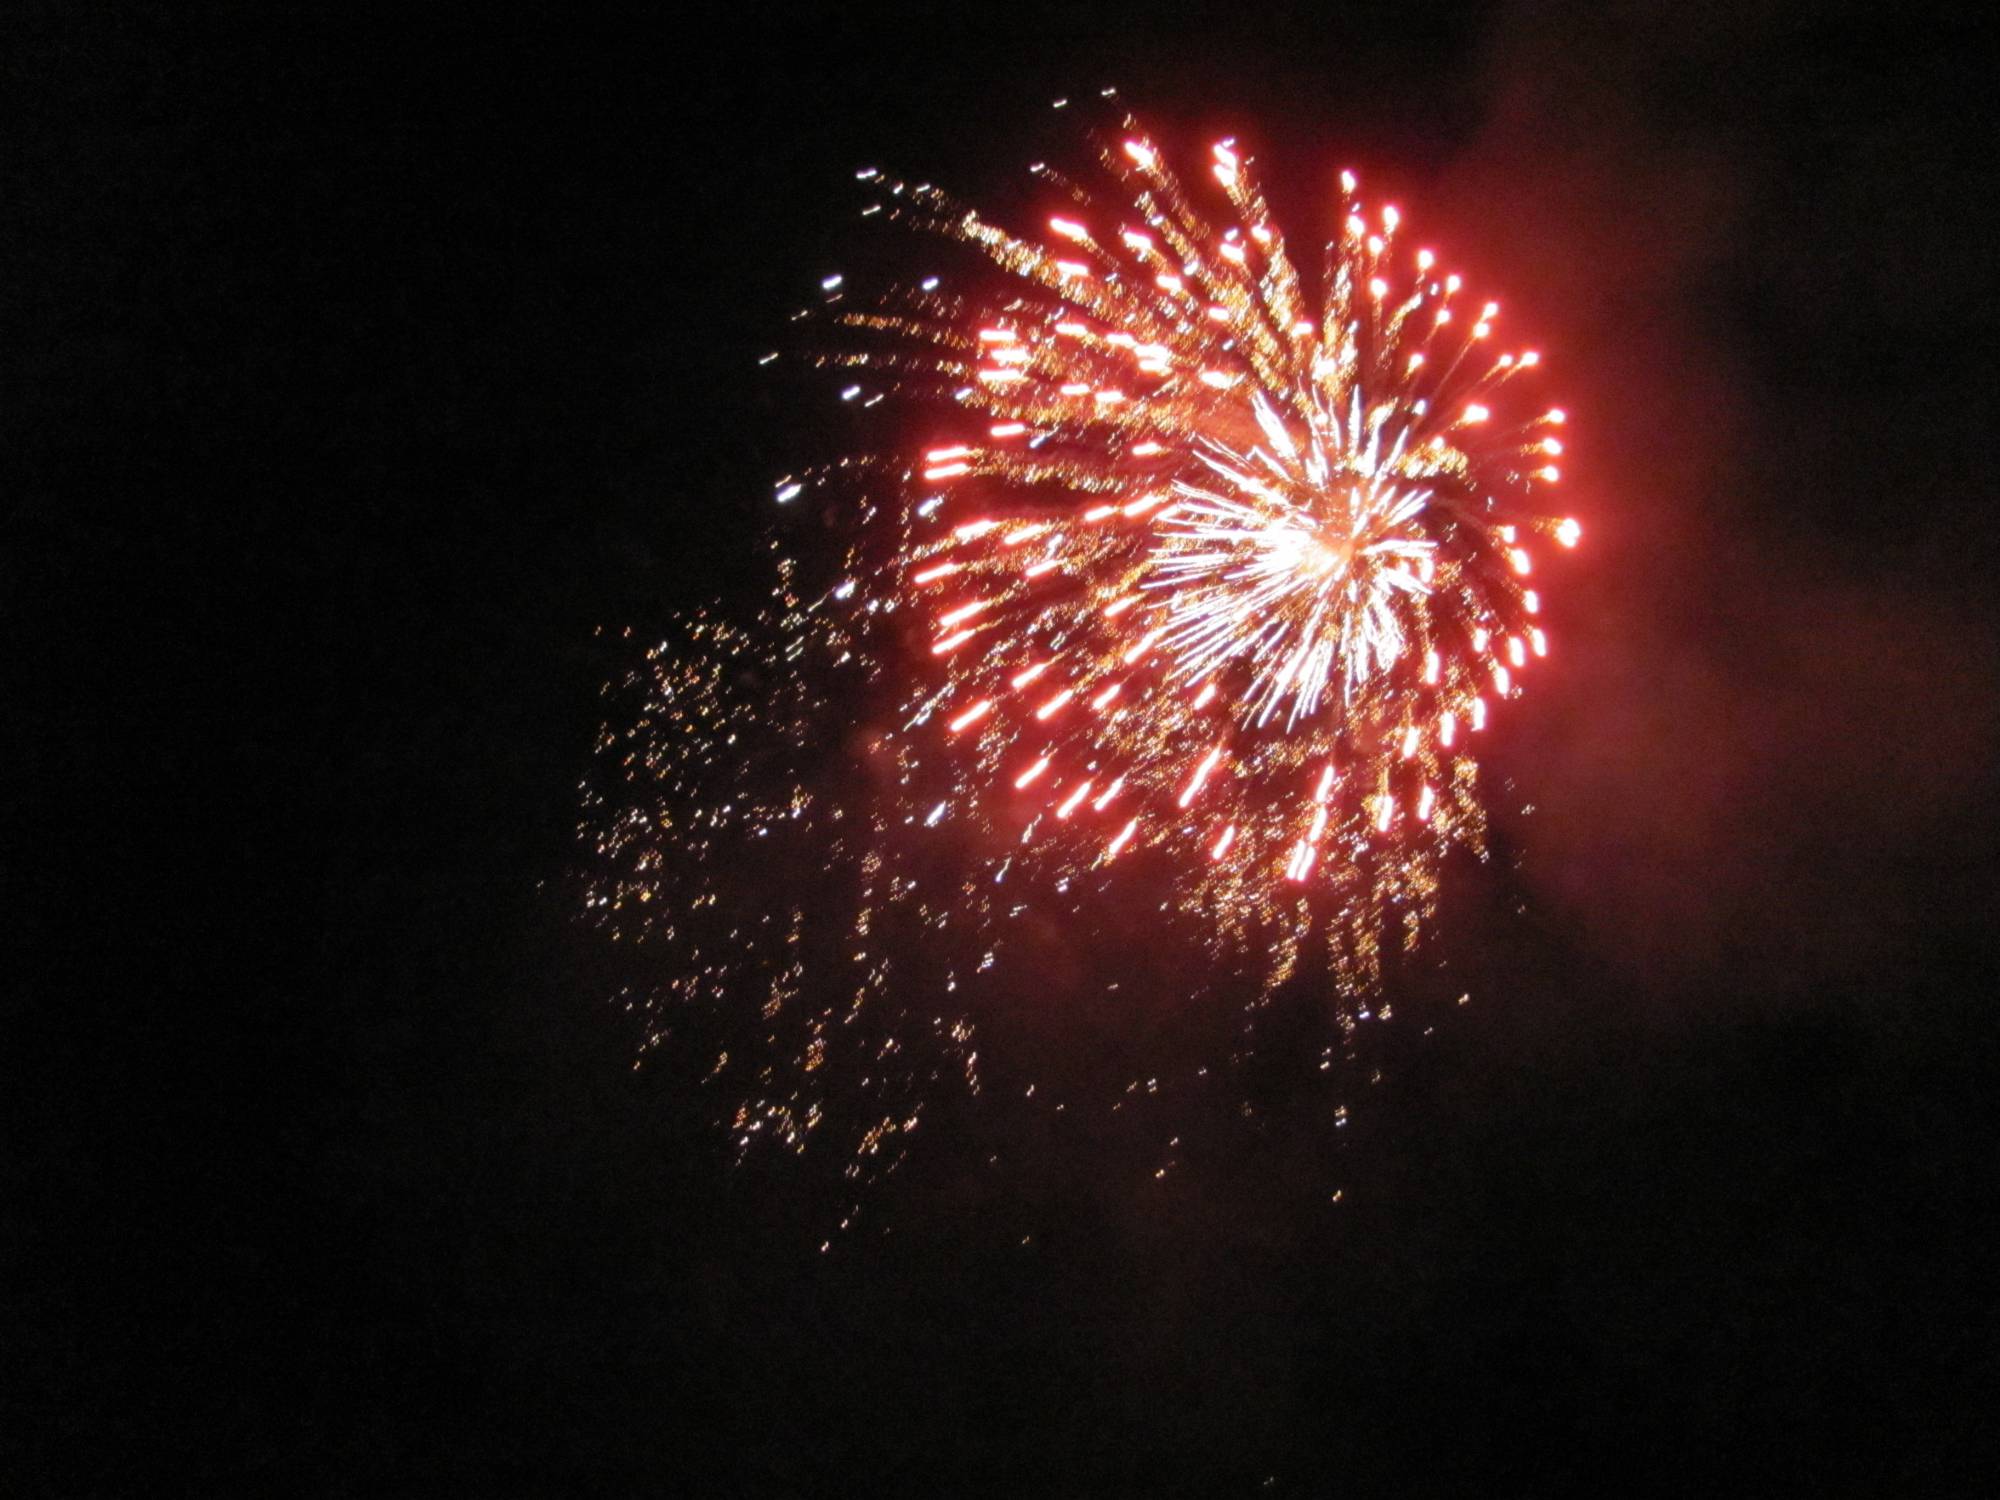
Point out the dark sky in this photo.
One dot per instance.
(358, 367)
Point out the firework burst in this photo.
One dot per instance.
(1205, 568)
(1185, 573)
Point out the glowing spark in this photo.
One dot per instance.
(972, 715)
(1193, 788)
(964, 611)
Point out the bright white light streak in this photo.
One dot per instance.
(1193, 788)
(964, 612)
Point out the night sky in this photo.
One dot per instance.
(366, 377)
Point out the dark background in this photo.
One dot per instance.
(356, 369)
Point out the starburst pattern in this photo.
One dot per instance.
(1185, 572)
(1206, 570)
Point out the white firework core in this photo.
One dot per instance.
(1298, 561)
